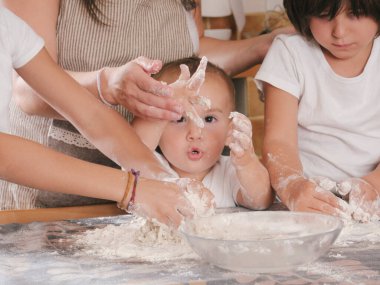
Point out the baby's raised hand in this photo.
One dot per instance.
(239, 139)
(362, 197)
(187, 89)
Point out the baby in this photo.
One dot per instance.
(192, 146)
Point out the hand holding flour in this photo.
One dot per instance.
(363, 198)
(306, 195)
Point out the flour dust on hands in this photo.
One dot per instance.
(187, 89)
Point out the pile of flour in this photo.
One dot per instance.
(145, 240)
(138, 240)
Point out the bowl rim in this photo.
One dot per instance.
(339, 227)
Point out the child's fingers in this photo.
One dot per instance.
(198, 77)
(241, 123)
(331, 204)
(236, 149)
(185, 73)
(243, 139)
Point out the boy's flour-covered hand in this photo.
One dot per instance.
(363, 198)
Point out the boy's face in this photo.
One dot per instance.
(193, 151)
(345, 37)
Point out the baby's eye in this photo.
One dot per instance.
(210, 119)
(181, 120)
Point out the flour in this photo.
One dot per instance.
(139, 240)
(359, 232)
(145, 240)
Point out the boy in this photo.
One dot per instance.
(193, 150)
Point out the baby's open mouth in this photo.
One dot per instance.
(195, 154)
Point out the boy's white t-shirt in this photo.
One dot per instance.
(222, 180)
(338, 117)
(18, 45)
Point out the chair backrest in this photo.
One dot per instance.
(223, 18)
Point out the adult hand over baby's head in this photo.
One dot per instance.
(132, 86)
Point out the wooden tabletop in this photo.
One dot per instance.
(58, 214)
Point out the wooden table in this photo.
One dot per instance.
(57, 214)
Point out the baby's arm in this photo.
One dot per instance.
(255, 191)
(281, 157)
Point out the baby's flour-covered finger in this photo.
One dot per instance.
(241, 123)
(198, 77)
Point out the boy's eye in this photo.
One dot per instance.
(209, 119)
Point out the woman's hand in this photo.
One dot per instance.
(171, 202)
(132, 86)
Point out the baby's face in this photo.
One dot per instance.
(193, 151)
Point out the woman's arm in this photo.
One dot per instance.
(57, 172)
(104, 127)
(120, 85)
(235, 56)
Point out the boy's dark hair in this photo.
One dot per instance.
(193, 63)
(300, 11)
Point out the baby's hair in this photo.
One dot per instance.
(300, 11)
(193, 63)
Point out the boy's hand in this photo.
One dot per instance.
(187, 89)
(363, 198)
(239, 139)
(305, 195)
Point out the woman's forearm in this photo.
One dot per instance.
(57, 172)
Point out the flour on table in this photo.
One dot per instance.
(137, 240)
(145, 240)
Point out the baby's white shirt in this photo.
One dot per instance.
(222, 180)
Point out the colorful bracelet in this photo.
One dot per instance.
(98, 85)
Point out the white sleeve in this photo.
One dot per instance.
(279, 68)
(23, 42)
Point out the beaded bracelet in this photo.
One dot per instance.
(136, 174)
(98, 85)
(123, 204)
(128, 200)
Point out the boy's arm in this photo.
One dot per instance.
(281, 157)
(255, 191)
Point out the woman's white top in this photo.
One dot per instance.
(18, 45)
(338, 117)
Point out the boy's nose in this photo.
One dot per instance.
(194, 132)
(339, 27)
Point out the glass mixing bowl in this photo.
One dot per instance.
(262, 242)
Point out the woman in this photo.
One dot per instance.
(93, 40)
